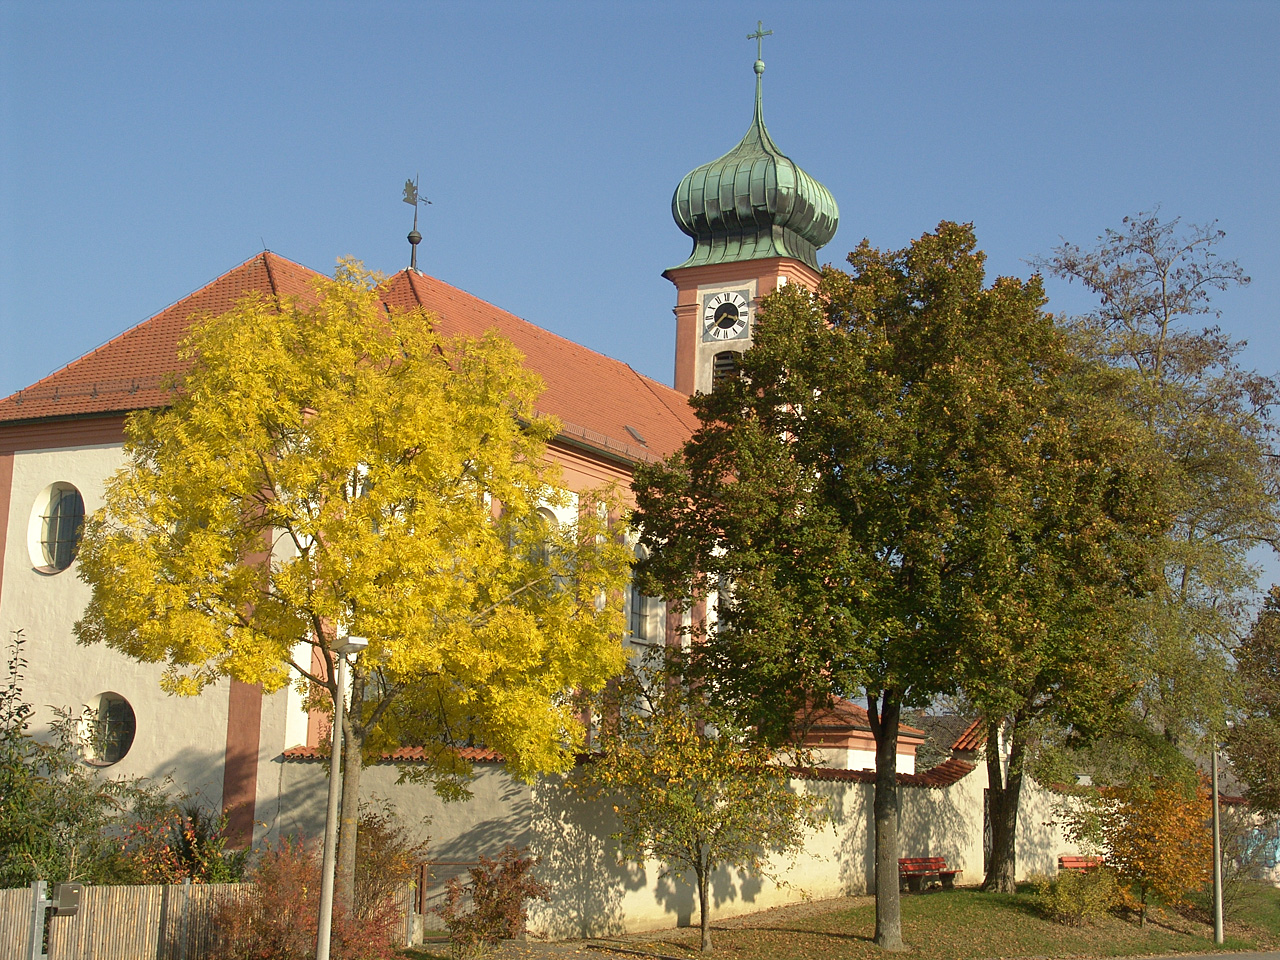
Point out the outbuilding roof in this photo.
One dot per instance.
(974, 737)
(943, 775)
(847, 715)
(596, 398)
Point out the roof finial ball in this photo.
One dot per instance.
(411, 197)
(758, 37)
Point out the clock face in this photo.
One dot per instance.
(724, 316)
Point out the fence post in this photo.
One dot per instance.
(186, 918)
(39, 914)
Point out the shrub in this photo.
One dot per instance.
(59, 820)
(498, 891)
(387, 858)
(175, 841)
(1075, 897)
(278, 917)
(1152, 834)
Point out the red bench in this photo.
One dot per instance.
(1066, 862)
(916, 870)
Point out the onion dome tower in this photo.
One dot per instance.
(757, 222)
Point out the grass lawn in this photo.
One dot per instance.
(968, 924)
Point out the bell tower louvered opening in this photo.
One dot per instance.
(724, 366)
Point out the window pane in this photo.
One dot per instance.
(62, 524)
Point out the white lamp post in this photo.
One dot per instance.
(352, 646)
(1217, 850)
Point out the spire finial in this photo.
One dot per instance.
(411, 197)
(758, 37)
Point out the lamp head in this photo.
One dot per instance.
(346, 645)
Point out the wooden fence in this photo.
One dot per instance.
(123, 923)
(141, 923)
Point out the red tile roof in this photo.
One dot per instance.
(973, 737)
(596, 398)
(943, 775)
(843, 714)
(128, 372)
(401, 755)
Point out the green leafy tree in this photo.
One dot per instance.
(1086, 527)
(59, 820)
(687, 788)
(868, 497)
(1154, 281)
(1254, 742)
(336, 469)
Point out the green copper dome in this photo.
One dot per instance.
(754, 202)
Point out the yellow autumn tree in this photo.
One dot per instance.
(333, 470)
(1154, 834)
(687, 788)
(1157, 838)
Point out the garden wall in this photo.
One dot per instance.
(595, 895)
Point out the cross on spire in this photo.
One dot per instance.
(758, 37)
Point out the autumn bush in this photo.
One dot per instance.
(1154, 834)
(278, 917)
(499, 890)
(178, 841)
(277, 920)
(1075, 897)
(387, 858)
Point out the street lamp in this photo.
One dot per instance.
(1217, 850)
(343, 647)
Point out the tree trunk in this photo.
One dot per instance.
(348, 823)
(1005, 795)
(884, 711)
(703, 874)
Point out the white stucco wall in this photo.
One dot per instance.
(852, 758)
(180, 738)
(595, 894)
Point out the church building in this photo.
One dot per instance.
(756, 221)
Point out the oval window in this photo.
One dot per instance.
(57, 523)
(110, 729)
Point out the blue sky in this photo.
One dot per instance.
(146, 148)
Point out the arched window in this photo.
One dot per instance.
(61, 523)
(723, 366)
(545, 527)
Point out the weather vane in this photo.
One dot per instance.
(411, 197)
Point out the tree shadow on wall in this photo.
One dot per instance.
(932, 823)
(678, 893)
(851, 815)
(571, 835)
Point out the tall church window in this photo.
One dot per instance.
(547, 524)
(646, 616)
(723, 366)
